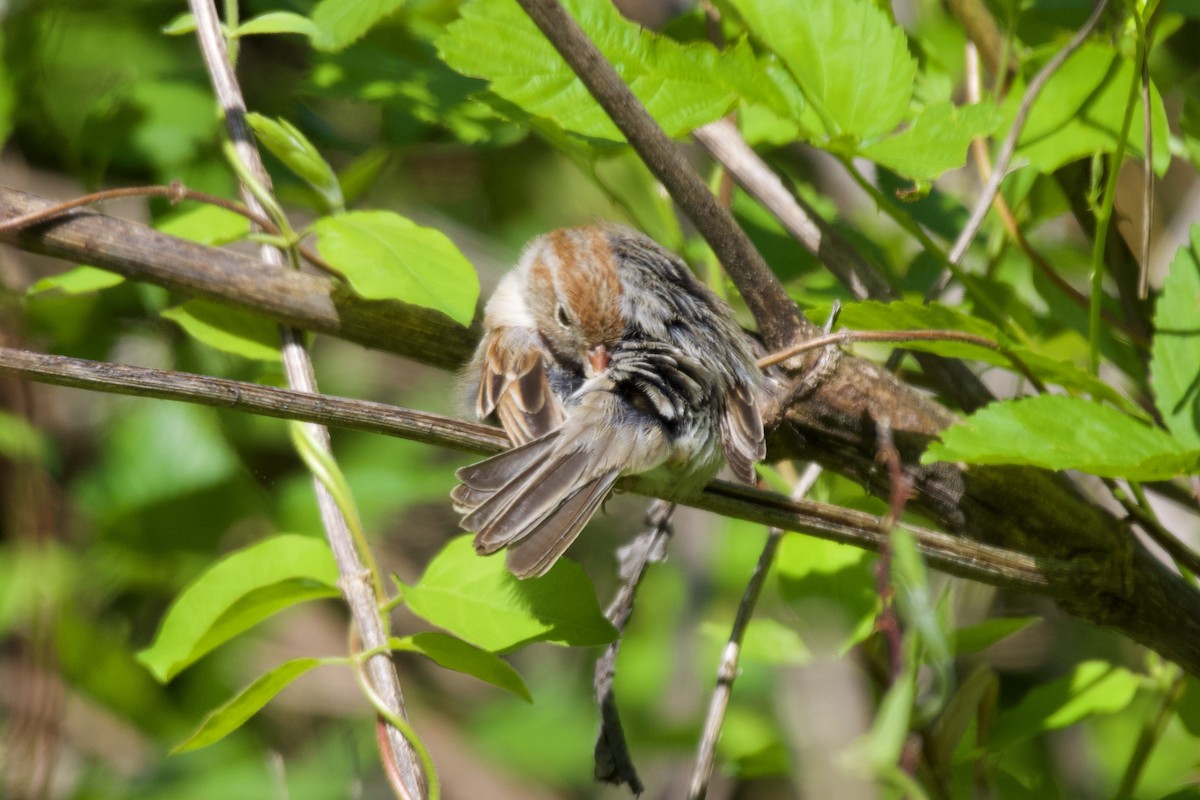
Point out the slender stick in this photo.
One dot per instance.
(175, 192)
(779, 321)
(355, 579)
(1009, 146)
(727, 670)
(614, 764)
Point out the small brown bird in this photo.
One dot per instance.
(604, 356)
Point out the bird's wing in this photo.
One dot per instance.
(742, 432)
(514, 385)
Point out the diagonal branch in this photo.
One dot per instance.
(357, 580)
(780, 323)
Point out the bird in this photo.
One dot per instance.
(603, 356)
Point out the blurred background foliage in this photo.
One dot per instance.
(110, 505)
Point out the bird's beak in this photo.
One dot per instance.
(598, 358)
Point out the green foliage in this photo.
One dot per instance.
(1065, 433)
(455, 654)
(1175, 355)
(478, 599)
(227, 329)
(237, 593)
(1080, 109)
(1092, 687)
(291, 147)
(81, 280)
(387, 257)
(683, 87)
(462, 115)
(234, 713)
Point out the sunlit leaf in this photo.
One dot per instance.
(340, 23)
(1081, 109)
(981, 636)
(1175, 351)
(831, 587)
(278, 22)
(81, 280)
(850, 59)
(293, 148)
(1093, 687)
(227, 329)
(479, 600)
(453, 653)
(680, 85)
(1058, 433)
(234, 713)
(936, 141)
(236, 593)
(206, 224)
(388, 257)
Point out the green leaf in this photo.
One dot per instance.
(1058, 433)
(387, 257)
(850, 59)
(206, 224)
(341, 23)
(1081, 108)
(184, 23)
(81, 280)
(479, 600)
(1175, 351)
(21, 441)
(227, 329)
(234, 713)
(890, 730)
(1093, 687)
(831, 587)
(236, 593)
(278, 22)
(1189, 128)
(936, 141)
(453, 653)
(679, 84)
(981, 636)
(291, 147)
(156, 452)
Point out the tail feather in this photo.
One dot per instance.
(533, 499)
(509, 514)
(538, 550)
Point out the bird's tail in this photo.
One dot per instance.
(533, 499)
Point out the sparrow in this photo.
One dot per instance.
(603, 356)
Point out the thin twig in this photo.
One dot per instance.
(779, 321)
(1009, 146)
(847, 336)
(1147, 161)
(613, 762)
(727, 670)
(359, 593)
(1183, 555)
(864, 279)
(175, 192)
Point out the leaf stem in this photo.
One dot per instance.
(1174, 682)
(1104, 212)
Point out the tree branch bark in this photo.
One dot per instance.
(1038, 513)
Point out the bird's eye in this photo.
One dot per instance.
(560, 314)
